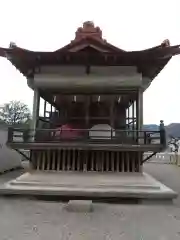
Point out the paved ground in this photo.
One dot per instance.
(32, 219)
(167, 174)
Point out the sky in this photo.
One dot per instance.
(45, 25)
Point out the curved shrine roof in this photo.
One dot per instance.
(89, 48)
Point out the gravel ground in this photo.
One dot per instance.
(32, 219)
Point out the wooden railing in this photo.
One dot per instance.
(16, 135)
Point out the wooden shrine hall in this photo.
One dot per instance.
(93, 104)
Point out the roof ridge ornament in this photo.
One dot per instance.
(88, 30)
(165, 43)
(12, 45)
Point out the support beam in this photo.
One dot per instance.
(139, 111)
(140, 108)
(51, 110)
(133, 117)
(45, 104)
(87, 106)
(35, 114)
(128, 116)
(112, 113)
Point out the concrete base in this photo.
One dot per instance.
(79, 206)
(88, 185)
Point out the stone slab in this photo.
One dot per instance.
(79, 206)
(88, 185)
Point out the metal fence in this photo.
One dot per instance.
(164, 158)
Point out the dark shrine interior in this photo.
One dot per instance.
(85, 111)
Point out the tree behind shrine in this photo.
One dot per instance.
(15, 113)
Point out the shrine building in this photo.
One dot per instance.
(92, 121)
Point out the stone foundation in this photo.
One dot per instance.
(89, 185)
